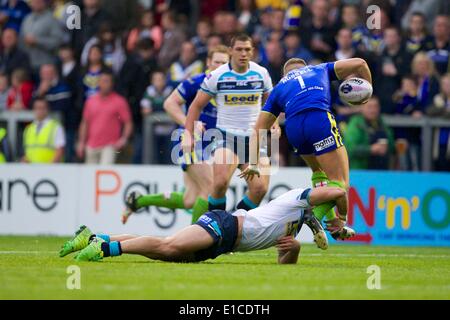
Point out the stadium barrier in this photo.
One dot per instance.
(426, 124)
(386, 208)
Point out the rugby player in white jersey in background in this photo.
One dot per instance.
(240, 88)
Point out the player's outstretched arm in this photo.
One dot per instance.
(288, 250)
(264, 122)
(196, 107)
(174, 108)
(325, 194)
(354, 66)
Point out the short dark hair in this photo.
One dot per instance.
(145, 44)
(240, 37)
(109, 73)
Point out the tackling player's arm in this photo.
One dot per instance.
(288, 250)
(195, 109)
(174, 108)
(265, 121)
(354, 66)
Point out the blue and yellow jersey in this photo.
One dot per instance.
(188, 90)
(303, 89)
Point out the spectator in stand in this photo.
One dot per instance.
(41, 35)
(262, 29)
(372, 41)
(429, 8)
(92, 17)
(369, 141)
(200, 40)
(112, 51)
(225, 24)
(294, 47)
(59, 97)
(423, 68)
(345, 48)
(247, 16)
(351, 19)
(12, 14)
(394, 63)
(62, 14)
(439, 49)
(91, 74)
(407, 140)
(147, 29)
(43, 139)
(277, 31)
(173, 37)
(106, 125)
(11, 57)
(417, 38)
(21, 92)
(133, 82)
(213, 41)
(275, 60)
(293, 15)
(4, 90)
(152, 102)
(319, 34)
(69, 69)
(187, 65)
(441, 108)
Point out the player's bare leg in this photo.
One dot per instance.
(257, 187)
(199, 184)
(179, 247)
(225, 164)
(336, 166)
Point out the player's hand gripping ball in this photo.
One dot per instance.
(355, 91)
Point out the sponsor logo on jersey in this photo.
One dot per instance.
(241, 99)
(324, 144)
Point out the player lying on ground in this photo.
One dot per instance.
(197, 174)
(304, 96)
(217, 232)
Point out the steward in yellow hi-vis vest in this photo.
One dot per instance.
(2, 136)
(43, 139)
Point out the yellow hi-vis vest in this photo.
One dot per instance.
(2, 136)
(40, 147)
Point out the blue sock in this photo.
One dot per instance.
(246, 204)
(104, 237)
(217, 204)
(112, 249)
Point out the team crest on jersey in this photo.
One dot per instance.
(324, 144)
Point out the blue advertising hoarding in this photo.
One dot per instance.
(394, 208)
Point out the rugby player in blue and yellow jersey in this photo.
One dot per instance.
(304, 95)
(198, 175)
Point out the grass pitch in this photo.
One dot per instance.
(31, 269)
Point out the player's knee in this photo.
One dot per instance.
(220, 185)
(258, 191)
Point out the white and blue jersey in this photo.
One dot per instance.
(304, 95)
(188, 90)
(238, 96)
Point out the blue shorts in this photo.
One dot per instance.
(223, 228)
(239, 145)
(313, 132)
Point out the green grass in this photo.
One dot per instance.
(31, 269)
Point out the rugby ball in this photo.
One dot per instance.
(355, 91)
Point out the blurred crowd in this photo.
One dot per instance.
(128, 55)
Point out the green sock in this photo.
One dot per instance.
(172, 201)
(320, 178)
(199, 208)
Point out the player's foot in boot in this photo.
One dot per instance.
(93, 252)
(78, 242)
(131, 203)
(338, 230)
(320, 238)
